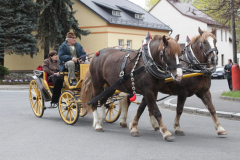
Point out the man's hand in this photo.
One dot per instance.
(57, 73)
(74, 59)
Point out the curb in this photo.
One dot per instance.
(230, 98)
(233, 115)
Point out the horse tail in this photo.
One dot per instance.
(87, 91)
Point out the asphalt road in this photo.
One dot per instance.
(23, 136)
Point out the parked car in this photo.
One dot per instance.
(219, 73)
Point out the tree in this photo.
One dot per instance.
(17, 22)
(55, 20)
(151, 3)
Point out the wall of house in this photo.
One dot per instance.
(136, 35)
(179, 23)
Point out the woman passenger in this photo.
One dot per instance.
(51, 67)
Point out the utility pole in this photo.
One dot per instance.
(233, 32)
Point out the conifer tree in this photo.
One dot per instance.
(17, 22)
(55, 20)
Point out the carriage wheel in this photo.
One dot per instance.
(68, 108)
(36, 99)
(82, 112)
(113, 111)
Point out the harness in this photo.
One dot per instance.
(155, 69)
(195, 65)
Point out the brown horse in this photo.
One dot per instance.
(105, 69)
(204, 49)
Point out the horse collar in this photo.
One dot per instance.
(155, 69)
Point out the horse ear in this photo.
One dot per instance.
(165, 40)
(177, 37)
(214, 30)
(200, 31)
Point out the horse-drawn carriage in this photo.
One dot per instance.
(146, 70)
(69, 104)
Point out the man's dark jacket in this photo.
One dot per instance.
(65, 55)
(228, 67)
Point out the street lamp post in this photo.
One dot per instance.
(233, 32)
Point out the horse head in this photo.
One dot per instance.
(166, 51)
(205, 43)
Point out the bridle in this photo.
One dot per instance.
(163, 56)
(209, 51)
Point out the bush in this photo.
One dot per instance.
(3, 70)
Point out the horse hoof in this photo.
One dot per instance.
(180, 133)
(156, 129)
(134, 134)
(99, 130)
(222, 133)
(123, 125)
(169, 138)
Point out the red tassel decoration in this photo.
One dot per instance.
(133, 98)
(96, 53)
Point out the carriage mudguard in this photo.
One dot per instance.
(44, 91)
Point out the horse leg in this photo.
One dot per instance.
(124, 104)
(207, 100)
(153, 121)
(180, 104)
(97, 123)
(134, 123)
(151, 101)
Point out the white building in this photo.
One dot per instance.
(184, 19)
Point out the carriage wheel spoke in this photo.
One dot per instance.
(65, 101)
(34, 93)
(113, 113)
(67, 114)
(34, 104)
(73, 115)
(116, 110)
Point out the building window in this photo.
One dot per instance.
(226, 36)
(129, 44)
(223, 60)
(221, 35)
(138, 16)
(116, 13)
(120, 43)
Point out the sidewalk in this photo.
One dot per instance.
(224, 108)
(14, 87)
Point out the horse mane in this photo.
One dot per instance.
(173, 46)
(204, 36)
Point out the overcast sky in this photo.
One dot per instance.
(141, 3)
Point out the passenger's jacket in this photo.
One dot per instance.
(50, 67)
(65, 55)
(228, 67)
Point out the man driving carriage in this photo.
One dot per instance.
(69, 53)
